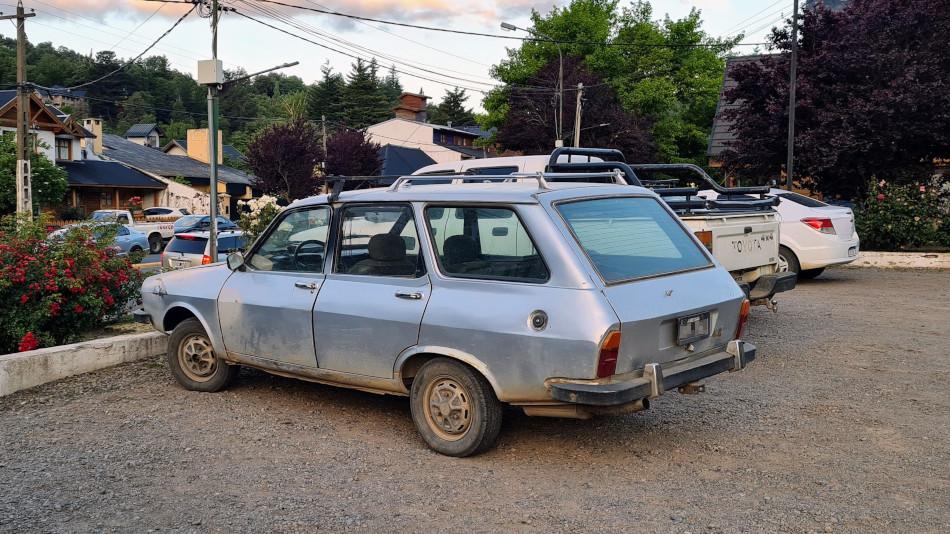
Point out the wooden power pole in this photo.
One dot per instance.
(24, 197)
(577, 116)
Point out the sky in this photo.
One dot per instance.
(427, 60)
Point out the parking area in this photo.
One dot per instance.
(839, 426)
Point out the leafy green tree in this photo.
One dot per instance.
(48, 181)
(669, 71)
(452, 110)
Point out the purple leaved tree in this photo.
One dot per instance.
(284, 159)
(350, 153)
(873, 99)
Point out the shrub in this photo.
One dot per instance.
(53, 290)
(900, 217)
(72, 213)
(260, 212)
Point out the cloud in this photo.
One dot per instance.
(444, 13)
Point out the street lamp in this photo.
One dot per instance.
(560, 78)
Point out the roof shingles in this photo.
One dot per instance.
(157, 162)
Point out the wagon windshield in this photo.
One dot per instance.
(631, 237)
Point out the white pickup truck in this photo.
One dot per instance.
(158, 232)
(742, 233)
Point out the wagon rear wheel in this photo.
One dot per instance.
(454, 408)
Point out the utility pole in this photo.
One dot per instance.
(323, 120)
(577, 117)
(213, 136)
(793, 79)
(24, 196)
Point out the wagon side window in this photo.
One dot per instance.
(298, 242)
(484, 242)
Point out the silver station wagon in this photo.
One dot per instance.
(564, 299)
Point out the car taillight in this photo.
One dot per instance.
(821, 224)
(743, 317)
(607, 361)
(205, 260)
(706, 239)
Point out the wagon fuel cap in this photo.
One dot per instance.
(538, 320)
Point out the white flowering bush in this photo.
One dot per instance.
(259, 214)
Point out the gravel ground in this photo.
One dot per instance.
(839, 426)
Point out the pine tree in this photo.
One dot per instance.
(452, 110)
(325, 98)
(364, 100)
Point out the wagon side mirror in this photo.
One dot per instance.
(235, 260)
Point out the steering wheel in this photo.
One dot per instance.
(297, 257)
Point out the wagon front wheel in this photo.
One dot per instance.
(454, 408)
(193, 362)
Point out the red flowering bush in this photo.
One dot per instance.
(903, 217)
(53, 290)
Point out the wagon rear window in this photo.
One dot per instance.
(631, 237)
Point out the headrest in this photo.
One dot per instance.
(387, 247)
(459, 249)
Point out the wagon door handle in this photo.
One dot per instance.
(305, 285)
(407, 295)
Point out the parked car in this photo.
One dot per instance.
(814, 235)
(197, 223)
(127, 238)
(194, 248)
(157, 232)
(164, 212)
(564, 299)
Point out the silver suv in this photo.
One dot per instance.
(565, 299)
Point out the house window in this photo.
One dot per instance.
(64, 149)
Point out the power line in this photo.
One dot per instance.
(406, 38)
(354, 47)
(738, 26)
(478, 34)
(167, 46)
(354, 56)
(136, 58)
(139, 26)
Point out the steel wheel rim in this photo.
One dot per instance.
(196, 358)
(448, 408)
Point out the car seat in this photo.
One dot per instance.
(387, 257)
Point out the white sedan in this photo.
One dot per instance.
(813, 234)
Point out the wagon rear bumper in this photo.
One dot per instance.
(655, 380)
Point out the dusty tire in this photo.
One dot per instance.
(454, 408)
(193, 362)
(155, 244)
(788, 261)
(811, 273)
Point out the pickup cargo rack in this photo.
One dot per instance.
(683, 200)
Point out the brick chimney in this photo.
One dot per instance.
(94, 126)
(412, 107)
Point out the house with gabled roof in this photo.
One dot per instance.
(145, 134)
(57, 135)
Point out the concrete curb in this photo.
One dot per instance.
(36, 367)
(913, 260)
(147, 265)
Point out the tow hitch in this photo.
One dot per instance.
(693, 388)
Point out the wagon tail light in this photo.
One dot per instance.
(821, 224)
(206, 259)
(607, 361)
(743, 317)
(706, 239)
